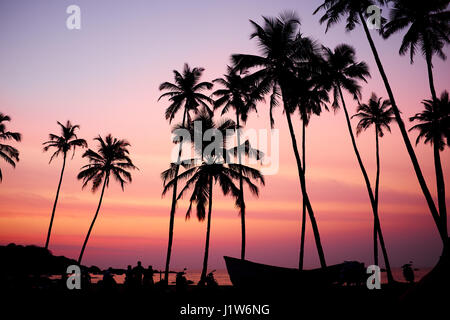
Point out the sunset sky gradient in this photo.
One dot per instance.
(105, 78)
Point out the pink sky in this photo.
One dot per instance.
(105, 77)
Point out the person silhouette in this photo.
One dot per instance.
(129, 277)
(138, 271)
(108, 279)
(408, 272)
(147, 281)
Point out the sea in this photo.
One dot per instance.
(223, 279)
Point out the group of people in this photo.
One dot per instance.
(139, 277)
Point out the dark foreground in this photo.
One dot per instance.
(228, 303)
(25, 294)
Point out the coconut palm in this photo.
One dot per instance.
(8, 153)
(64, 143)
(202, 178)
(429, 29)
(184, 94)
(434, 128)
(311, 101)
(354, 11)
(110, 159)
(240, 94)
(344, 72)
(377, 113)
(213, 169)
(306, 92)
(283, 47)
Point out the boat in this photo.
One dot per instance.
(244, 273)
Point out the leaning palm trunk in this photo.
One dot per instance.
(208, 233)
(241, 188)
(377, 184)
(93, 221)
(440, 183)
(430, 75)
(173, 207)
(437, 161)
(409, 147)
(369, 190)
(56, 201)
(301, 175)
(302, 236)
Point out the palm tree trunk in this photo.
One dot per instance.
(93, 221)
(369, 190)
(301, 175)
(208, 233)
(377, 184)
(405, 137)
(438, 168)
(440, 184)
(302, 236)
(56, 201)
(173, 208)
(241, 188)
(430, 75)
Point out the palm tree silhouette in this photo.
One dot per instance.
(111, 158)
(434, 128)
(429, 29)
(342, 71)
(213, 169)
(376, 112)
(63, 143)
(282, 47)
(185, 94)
(307, 93)
(354, 11)
(8, 153)
(241, 94)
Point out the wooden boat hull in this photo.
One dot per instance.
(244, 273)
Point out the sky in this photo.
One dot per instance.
(105, 78)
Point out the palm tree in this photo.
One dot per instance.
(213, 169)
(67, 141)
(282, 47)
(7, 152)
(429, 29)
(354, 11)
(185, 94)
(311, 101)
(376, 112)
(111, 159)
(343, 72)
(310, 97)
(240, 94)
(434, 128)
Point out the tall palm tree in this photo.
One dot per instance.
(184, 94)
(282, 47)
(310, 97)
(311, 102)
(354, 11)
(68, 140)
(213, 169)
(7, 152)
(434, 128)
(240, 94)
(429, 29)
(376, 112)
(343, 72)
(111, 159)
